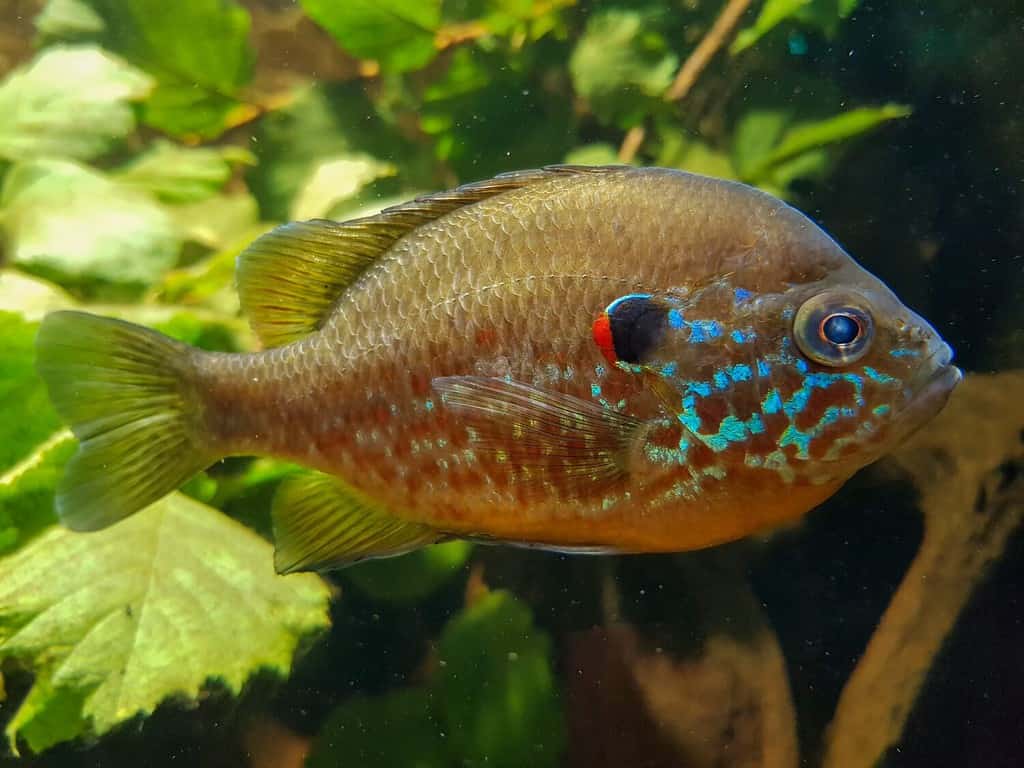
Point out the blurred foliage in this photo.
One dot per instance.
(144, 144)
(492, 701)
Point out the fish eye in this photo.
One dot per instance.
(840, 328)
(833, 329)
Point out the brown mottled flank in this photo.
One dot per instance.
(508, 287)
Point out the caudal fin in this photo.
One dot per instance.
(125, 390)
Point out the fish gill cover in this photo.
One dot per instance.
(144, 144)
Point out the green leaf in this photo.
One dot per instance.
(27, 490)
(162, 604)
(522, 19)
(500, 701)
(677, 150)
(756, 134)
(179, 174)
(218, 222)
(399, 34)
(475, 113)
(396, 729)
(29, 296)
(33, 442)
(198, 52)
(46, 112)
(620, 66)
(28, 419)
(822, 14)
(600, 153)
(321, 122)
(413, 576)
(209, 282)
(334, 180)
(68, 20)
(810, 136)
(65, 220)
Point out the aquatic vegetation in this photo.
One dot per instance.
(145, 144)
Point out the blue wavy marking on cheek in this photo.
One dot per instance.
(904, 353)
(740, 295)
(668, 370)
(763, 369)
(743, 337)
(731, 430)
(688, 414)
(721, 379)
(802, 438)
(772, 403)
(794, 436)
(700, 330)
(876, 375)
(881, 410)
(740, 372)
(699, 388)
(798, 401)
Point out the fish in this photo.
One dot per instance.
(577, 358)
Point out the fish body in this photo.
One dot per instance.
(611, 358)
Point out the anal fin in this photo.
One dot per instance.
(321, 523)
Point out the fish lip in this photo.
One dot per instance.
(942, 356)
(930, 396)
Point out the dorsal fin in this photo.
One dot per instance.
(291, 277)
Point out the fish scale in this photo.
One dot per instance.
(599, 359)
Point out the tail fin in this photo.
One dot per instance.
(125, 390)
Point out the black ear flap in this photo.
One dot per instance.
(630, 328)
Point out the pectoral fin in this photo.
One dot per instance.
(551, 442)
(321, 523)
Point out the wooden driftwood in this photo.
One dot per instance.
(968, 465)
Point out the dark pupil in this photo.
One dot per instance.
(840, 329)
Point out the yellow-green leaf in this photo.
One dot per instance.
(66, 220)
(809, 136)
(70, 101)
(397, 33)
(163, 604)
(196, 50)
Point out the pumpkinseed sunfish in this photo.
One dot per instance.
(578, 358)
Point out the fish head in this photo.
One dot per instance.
(810, 380)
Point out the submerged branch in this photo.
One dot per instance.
(716, 37)
(969, 465)
(706, 49)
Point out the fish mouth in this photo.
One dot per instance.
(929, 393)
